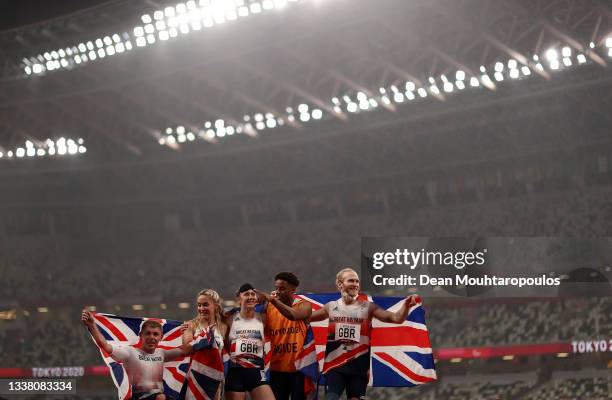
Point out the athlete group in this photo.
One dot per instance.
(243, 332)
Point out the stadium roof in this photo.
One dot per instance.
(311, 60)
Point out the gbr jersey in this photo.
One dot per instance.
(348, 336)
(246, 338)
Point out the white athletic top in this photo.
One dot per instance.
(145, 371)
(246, 338)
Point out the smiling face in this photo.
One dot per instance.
(348, 285)
(206, 307)
(284, 291)
(150, 337)
(247, 299)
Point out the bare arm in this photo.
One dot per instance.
(187, 336)
(397, 317)
(302, 312)
(320, 314)
(173, 354)
(88, 321)
(226, 340)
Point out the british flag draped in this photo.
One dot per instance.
(401, 354)
(195, 377)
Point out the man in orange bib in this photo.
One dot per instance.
(286, 329)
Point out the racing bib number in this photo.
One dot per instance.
(348, 332)
(249, 347)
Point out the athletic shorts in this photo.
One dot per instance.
(287, 384)
(244, 379)
(337, 382)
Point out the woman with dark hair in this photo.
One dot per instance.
(246, 340)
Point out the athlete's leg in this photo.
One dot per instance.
(235, 395)
(297, 386)
(356, 387)
(263, 392)
(335, 385)
(280, 386)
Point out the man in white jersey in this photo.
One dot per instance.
(144, 365)
(347, 353)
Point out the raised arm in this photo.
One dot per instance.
(397, 317)
(302, 312)
(88, 320)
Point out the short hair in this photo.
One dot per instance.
(151, 324)
(288, 277)
(245, 287)
(341, 272)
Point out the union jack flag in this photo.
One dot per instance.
(206, 368)
(401, 354)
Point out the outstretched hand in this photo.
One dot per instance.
(263, 296)
(412, 300)
(87, 318)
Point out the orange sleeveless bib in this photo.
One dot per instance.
(286, 337)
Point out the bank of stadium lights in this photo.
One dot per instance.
(161, 25)
(79, 54)
(49, 148)
(250, 124)
(553, 59)
(220, 128)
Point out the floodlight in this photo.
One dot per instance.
(566, 52)
(551, 55)
(255, 8)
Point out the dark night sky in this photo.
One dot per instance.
(16, 13)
